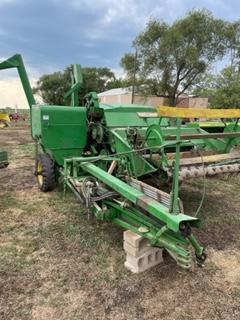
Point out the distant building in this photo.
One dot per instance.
(191, 101)
(124, 96)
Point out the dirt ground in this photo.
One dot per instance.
(55, 264)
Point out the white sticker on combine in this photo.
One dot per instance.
(45, 117)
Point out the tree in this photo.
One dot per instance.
(172, 57)
(96, 79)
(206, 85)
(223, 89)
(52, 87)
(118, 83)
(233, 43)
(227, 89)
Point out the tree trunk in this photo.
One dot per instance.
(172, 103)
(172, 100)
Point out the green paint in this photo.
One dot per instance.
(3, 159)
(87, 140)
(61, 131)
(17, 62)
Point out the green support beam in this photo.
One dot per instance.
(173, 221)
(16, 61)
(77, 81)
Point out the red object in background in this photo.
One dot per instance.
(16, 116)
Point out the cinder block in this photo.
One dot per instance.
(136, 251)
(134, 239)
(149, 259)
(140, 255)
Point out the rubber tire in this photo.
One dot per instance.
(48, 173)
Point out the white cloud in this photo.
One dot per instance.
(11, 91)
(138, 11)
(33, 73)
(12, 94)
(119, 72)
(111, 16)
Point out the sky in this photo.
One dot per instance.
(52, 34)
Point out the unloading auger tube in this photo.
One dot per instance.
(113, 157)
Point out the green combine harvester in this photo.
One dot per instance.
(114, 157)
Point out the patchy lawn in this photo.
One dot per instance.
(55, 264)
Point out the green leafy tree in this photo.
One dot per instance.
(223, 89)
(118, 83)
(233, 43)
(172, 57)
(52, 87)
(96, 79)
(227, 89)
(206, 85)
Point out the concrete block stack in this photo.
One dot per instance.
(140, 256)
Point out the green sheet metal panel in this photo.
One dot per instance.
(62, 130)
(36, 121)
(127, 115)
(3, 159)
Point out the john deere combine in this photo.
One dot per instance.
(113, 157)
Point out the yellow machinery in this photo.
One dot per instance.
(4, 120)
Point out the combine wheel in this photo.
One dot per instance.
(45, 173)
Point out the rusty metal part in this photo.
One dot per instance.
(187, 172)
(215, 158)
(154, 193)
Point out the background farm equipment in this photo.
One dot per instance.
(16, 116)
(114, 157)
(4, 120)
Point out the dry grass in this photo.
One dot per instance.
(54, 264)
